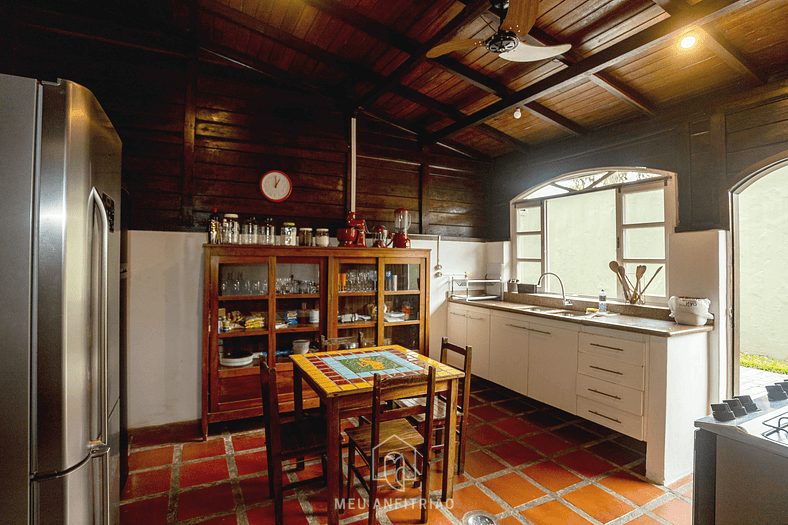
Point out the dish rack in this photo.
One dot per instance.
(465, 282)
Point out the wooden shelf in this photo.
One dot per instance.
(400, 323)
(298, 328)
(344, 326)
(357, 294)
(279, 297)
(260, 297)
(242, 333)
(402, 292)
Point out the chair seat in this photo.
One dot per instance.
(303, 435)
(439, 413)
(404, 437)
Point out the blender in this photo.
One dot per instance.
(401, 224)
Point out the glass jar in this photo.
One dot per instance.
(267, 233)
(305, 237)
(249, 231)
(289, 234)
(321, 237)
(231, 231)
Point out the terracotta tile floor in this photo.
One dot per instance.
(527, 463)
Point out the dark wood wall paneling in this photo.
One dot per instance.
(198, 135)
(708, 151)
(444, 193)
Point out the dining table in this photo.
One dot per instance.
(342, 379)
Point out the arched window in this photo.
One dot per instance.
(575, 224)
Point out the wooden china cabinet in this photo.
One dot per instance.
(381, 292)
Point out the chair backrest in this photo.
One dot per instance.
(336, 341)
(465, 383)
(268, 384)
(384, 411)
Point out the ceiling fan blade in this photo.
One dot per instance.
(453, 45)
(528, 53)
(521, 16)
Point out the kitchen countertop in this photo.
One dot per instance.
(628, 323)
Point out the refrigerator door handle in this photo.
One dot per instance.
(99, 448)
(103, 312)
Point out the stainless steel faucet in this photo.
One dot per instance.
(566, 301)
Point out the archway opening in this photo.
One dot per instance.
(760, 244)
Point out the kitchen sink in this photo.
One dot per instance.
(541, 309)
(569, 313)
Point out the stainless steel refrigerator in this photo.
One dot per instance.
(60, 162)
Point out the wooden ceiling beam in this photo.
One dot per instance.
(699, 14)
(559, 121)
(469, 13)
(601, 78)
(719, 45)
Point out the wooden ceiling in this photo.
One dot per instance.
(369, 56)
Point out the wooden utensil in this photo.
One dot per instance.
(639, 273)
(652, 278)
(614, 266)
(622, 273)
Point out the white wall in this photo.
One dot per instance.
(164, 325)
(456, 258)
(698, 268)
(165, 318)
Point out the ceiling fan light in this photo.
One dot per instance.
(517, 113)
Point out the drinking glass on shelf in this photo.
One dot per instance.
(246, 286)
(342, 282)
(256, 288)
(373, 280)
(352, 281)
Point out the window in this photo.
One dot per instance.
(576, 224)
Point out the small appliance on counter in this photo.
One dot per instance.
(381, 236)
(356, 232)
(402, 222)
(690, 310)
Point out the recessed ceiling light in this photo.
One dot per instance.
(688, 41)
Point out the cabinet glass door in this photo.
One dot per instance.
(403, 304)
(242, 313)
(298, 305)
(242, 333)
(357, 287)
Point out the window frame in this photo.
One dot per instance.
(660, 179)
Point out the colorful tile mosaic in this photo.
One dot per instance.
(344, 370)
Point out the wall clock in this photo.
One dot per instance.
(276, 186)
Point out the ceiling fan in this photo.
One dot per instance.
(517, 18)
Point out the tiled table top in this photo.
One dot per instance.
(352, 370)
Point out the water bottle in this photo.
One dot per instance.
(602, 301)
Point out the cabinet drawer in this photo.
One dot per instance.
(610, 370)
(610, 417)
(620, 349)
(617, 396)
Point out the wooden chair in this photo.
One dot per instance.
(390, 434)
(288, 440)
(463, 399)
(337, 341)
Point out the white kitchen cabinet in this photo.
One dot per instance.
(611, 381)
(470, 326)
(552, 364)
(509, 351)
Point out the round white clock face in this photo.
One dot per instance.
(276, 186)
